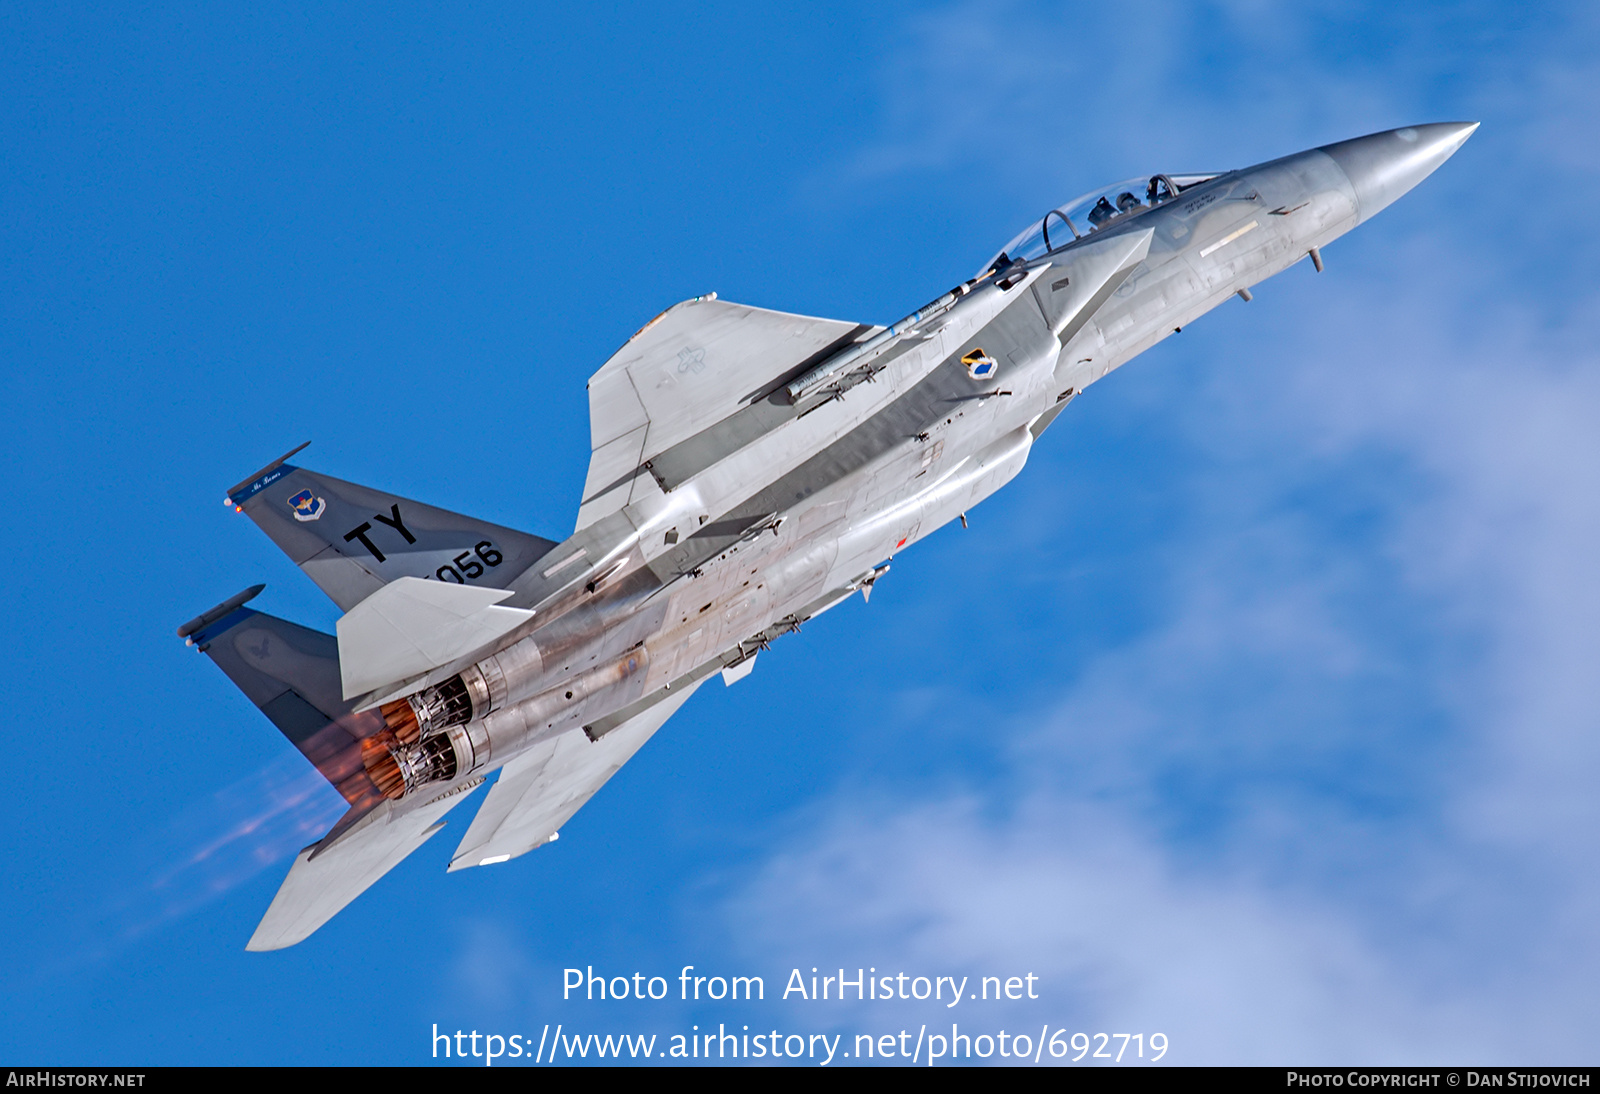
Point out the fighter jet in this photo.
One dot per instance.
(750, 470)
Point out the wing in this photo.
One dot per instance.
(540, 790)
(692, 366)
(322, 882)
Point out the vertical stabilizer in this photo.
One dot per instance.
(352, 540)
(292, 674)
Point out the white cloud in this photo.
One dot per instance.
(1122, 938)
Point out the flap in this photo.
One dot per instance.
(412, 625)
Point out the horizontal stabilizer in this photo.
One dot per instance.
(541, 789)
(410, 626)
(319, 887)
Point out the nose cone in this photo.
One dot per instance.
(1384, 166)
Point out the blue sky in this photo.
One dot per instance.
(1260, 710)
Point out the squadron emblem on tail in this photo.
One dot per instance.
(307, 506)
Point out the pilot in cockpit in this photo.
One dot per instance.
(1127, 203)
(1103, 211)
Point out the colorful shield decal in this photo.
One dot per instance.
(307, 506)
(980, 366)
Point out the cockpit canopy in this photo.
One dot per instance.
(1092, 212)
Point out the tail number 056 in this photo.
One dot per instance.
(465, 567)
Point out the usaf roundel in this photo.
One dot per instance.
(980, 366)
(307, 506)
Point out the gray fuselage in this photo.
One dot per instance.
(700, 571)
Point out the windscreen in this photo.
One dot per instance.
(1093, 212)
